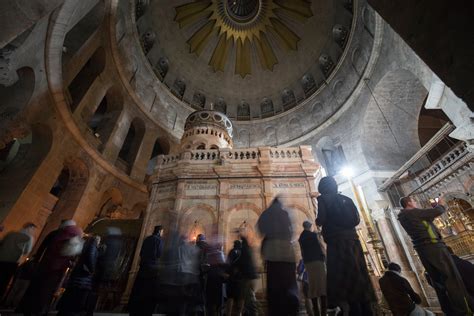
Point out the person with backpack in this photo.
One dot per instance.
(348, 280)
(56, 258)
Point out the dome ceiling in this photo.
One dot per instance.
(250, 59)
(243, 26)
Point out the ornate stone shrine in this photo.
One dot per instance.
(212, 188)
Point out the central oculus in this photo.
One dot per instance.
(242, 11)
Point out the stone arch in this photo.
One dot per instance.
(241, 217)
(24, 157)
(77, 36)
(243, 111)
(161, 147)
(105, 116)
(198, 219)
(69, 190)
(131, 144)
(17, 96)
(83, 80)
(390, 126)
(111, 200)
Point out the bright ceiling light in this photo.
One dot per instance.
(347, 172)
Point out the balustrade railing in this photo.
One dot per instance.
(462, 243)
(444, 162)
(285, 153)
(293, 154)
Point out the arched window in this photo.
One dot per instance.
(243, 111)
(103, 121)
(161, 147)
(84, 79)
(131, 145)
(82, 31)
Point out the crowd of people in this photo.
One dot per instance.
(181, 275)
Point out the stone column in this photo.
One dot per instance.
(91, 100)
(117, 137)
(143, 156)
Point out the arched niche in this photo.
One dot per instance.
(429, 123)
(77, 36)
(111, 200)
(132, 143)
(161, 147)
(199, 219)
(105, 116)
(390, 127)
(69, 189)
(17, 96)
(242, 218)
(85, 77)
(24, 158)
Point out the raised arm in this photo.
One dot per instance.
(428, 213)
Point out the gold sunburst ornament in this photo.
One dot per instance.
(241, 25)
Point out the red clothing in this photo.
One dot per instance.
(52, 259)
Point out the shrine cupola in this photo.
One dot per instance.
(207, 129)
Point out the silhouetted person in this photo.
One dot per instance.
(232, 284)
(77, 299)
(13, 247)
(60, 248)
(277, 250)
(347, 276)
(466, 270)
(143, 298)
(314, 263)
(109, 267)
(400, 296)
(434, 256)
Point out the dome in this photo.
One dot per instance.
(209, 118)
(255, 59)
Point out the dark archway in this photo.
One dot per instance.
(85, 77)
(161, 147)
(131, 145)
(22, 161)
(82, 31)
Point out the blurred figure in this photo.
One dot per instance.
(180, 289)
(400, 296)
(55, 256)
(143, 298)
(77, 299)
(232, 284)
(347, 276)
(243, 274)
(277, 250)
(213, 259)
(302, 276)
(435, 257)
(13, 247)
(313, 258)
(109, 267)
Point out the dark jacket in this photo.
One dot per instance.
(111, 259)
(466, 270)
(82, 274)
(418, 223)
(337, 214)
(151, 251)
(242, 264)
(310, 247)
(338, 217)
(399, 294)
